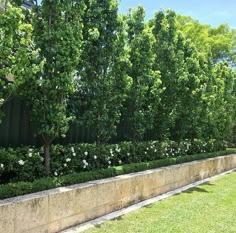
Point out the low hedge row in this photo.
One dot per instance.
(21, 188)
(26, 164)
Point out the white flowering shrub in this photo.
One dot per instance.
(26, 164)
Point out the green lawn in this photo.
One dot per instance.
(210, 208)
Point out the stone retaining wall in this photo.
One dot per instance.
(57, 209)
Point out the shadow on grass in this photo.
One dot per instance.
(150, 205)
(118, 218)
(201, 188)
(196, 189)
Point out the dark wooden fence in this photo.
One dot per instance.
(16, 129)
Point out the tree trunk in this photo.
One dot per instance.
(98, 136)
(47, 157)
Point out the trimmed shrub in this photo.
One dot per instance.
(26, 164)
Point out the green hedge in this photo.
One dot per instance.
(26, 164)
(21, 188)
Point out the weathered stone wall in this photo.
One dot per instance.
(58, 209)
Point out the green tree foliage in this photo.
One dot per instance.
(143, 95)
(15, 39)
(190, 85)
(170, 62)
(221, 102)
(221, 40)
(194, 88)
(102, 78)
(46, 88)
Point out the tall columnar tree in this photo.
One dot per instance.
(57, 38)
(169, 61)
(183, 78)
(191, 85)
(143, 96)
(102, 69)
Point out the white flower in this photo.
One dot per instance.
(65, 165)
(1, 102)
(128, 154)
(85, 162)
(145, 152)
(68, 159)
(111, 151)
(109, 162)
(30, 154)
(74, 154)
(109, 166)
(42, 159)
(147, 148)
(117, 149)
(95, 157)
(86, 153)
(120, 162)
(55, 173)
(72, 149)
(21, 162)
(1, 165)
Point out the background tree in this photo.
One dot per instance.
(220, 41)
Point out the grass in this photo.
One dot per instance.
(208, 208)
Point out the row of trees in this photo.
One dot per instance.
(82, 61)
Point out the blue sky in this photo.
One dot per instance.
(212, 12)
